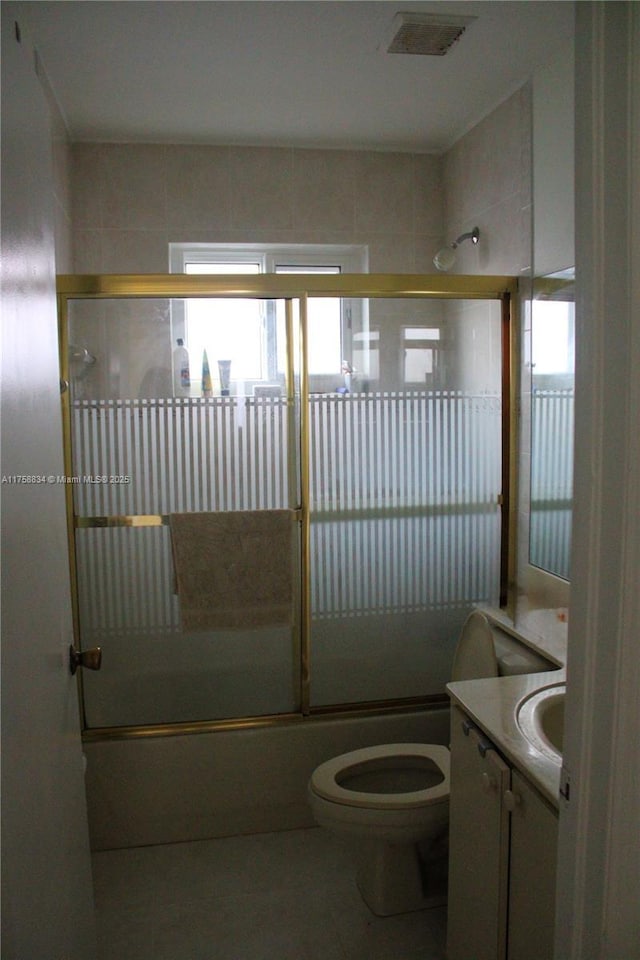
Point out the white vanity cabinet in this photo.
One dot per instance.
(532, 873)
(502, 838)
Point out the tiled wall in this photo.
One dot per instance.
(130, 201)
(488, 184)
(61, 164)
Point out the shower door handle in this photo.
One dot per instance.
(91, 659)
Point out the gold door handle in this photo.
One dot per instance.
(91, 659)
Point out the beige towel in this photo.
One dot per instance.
(234, 570)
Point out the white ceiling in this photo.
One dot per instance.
(289, 72)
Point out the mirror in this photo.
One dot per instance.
(552, 402)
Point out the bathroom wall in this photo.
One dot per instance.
(131, 200)
(62, 195)
(487, 178)
(60, 148)
(487, 184)
(553, 165)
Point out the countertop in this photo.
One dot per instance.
(493, 703)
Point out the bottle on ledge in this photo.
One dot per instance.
(181, 372)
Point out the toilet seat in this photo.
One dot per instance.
(324, 780)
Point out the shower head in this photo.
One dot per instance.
(446, 257)
(80, 360)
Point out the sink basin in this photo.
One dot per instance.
(540, 717)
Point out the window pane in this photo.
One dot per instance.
(552, 345)
(323, 325)
(418, 365)
(366, 355)
(420, 356)
(227, 328)
(422, 333)
(221, 268)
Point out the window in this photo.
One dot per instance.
(251, 333)
(553, 324)
(366, 354)
(325, 333)
(228, 329)
(420, 354)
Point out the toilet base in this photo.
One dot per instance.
(400, 878)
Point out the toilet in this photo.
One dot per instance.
(392, 801)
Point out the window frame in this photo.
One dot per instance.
(274, 258)
(351, 258)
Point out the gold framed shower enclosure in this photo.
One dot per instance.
(292, 288)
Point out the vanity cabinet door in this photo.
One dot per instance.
(532, 873)
(478, 846)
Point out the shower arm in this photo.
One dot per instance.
(473, 235)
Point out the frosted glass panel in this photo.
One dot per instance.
(167, 456)
(551, 479)
(144, 448)
(152, 670)
(404, 495)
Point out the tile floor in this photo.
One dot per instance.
(275, 896)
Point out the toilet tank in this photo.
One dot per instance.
(515, 657)
(485, 650)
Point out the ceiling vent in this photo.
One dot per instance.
(427, 34)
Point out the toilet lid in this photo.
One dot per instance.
(475, 656)
(325, 780)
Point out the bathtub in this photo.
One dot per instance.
(151, 790)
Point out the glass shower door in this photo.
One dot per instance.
(405, 481)
(165, 471)
(387, 481)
